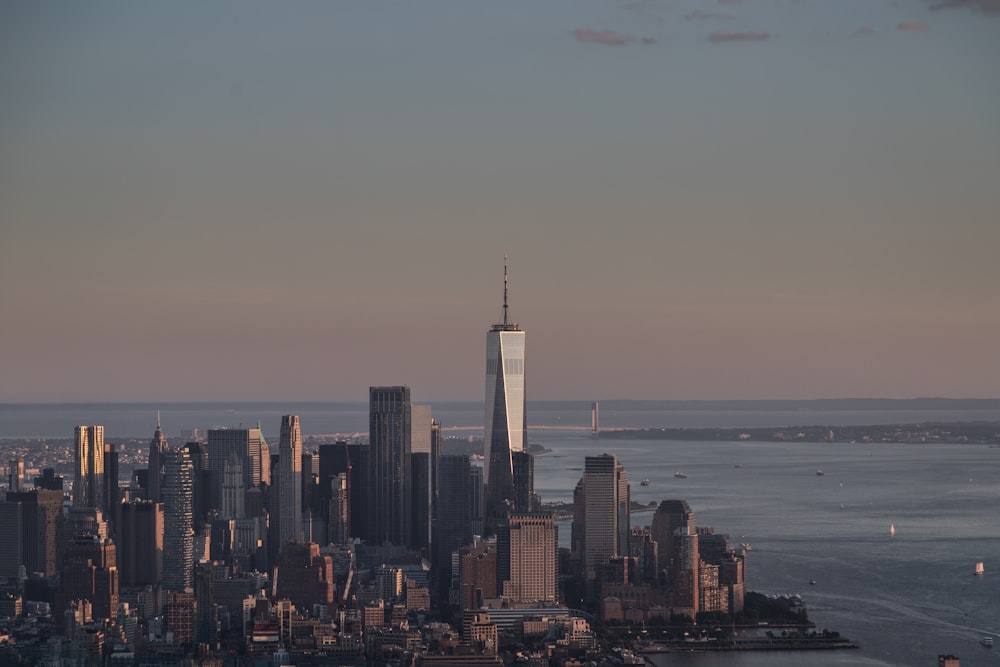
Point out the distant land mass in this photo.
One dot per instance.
(978, 432)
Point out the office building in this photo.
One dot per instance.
(89, 572)
(453, 518)
(422, 465)
(178, 536)
(41, 527)
(606, 520)
(88, 480)
(527, 557)
(247, 445)
(140, 543)
(674, 529)
(49, 480)
(506, 420)
(304, 576)
(11, 547)
(525, 499)
(349, 460)
(289, 510)
(15, 475)
(389, 466)
(111, 493)
(157, 446)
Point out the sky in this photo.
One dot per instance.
(699, 199)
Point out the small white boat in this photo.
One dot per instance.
(986, 641)
(819, 473)
(680, 475)
(645, 482)
(979, 568)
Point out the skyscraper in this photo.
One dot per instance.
(389, 465)
(140, 543)
(157, 446)
(422, 465)
(42, 524)
(606, 509)
(178, 536)
(88, 482)
(506, 421)
(249, 446)
(527, 556)
(15, 475)
(289, 511)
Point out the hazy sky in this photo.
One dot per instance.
(700, 198)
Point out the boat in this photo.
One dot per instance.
(680, 475)
(645, 482)
(892, 529)
(738, 465)
(812, 582)
(986, 641)
(979, 568)
(819, 472)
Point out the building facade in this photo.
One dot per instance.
(289, 511)
(88, 480)
(506, 423)
(389, 466)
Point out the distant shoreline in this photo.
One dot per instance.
(976, 432)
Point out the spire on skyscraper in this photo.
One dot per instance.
(505, 324)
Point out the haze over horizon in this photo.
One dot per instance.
(700, 199)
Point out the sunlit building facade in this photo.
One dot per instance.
(506, 424)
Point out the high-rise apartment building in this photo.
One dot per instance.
(178, 536)
(389, 422)
(289, 510)
(506, 423)
(88, 481)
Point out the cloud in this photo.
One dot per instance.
(912, 26)
(709, 16)
(985, 6)
(748, 36)
(864, 30)
(606, 37)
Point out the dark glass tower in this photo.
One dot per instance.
(506, 428)
(389, 465)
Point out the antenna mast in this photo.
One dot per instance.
(506, 320)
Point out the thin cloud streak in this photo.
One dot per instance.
(606, 37)
(985, 6)
(747, 36)
(700, 15)
(912, 26)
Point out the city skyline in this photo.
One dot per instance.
(754, 200)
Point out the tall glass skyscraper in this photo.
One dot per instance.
(506, 422)
(389, 478)
(88, 482)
